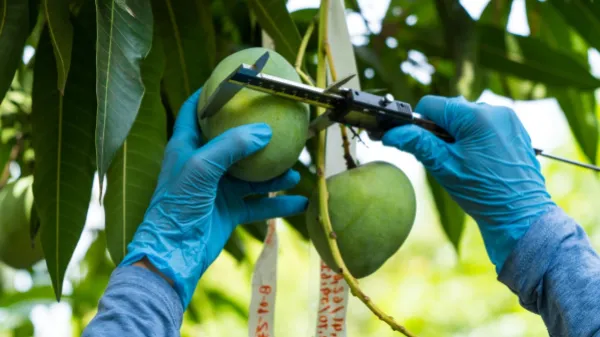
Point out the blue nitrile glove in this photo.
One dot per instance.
(196, 206)
(491, 170)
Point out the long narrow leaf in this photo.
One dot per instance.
(61, 32)
(188, 36)
(546, 65)
(14, 29)
(583, 16)
(497, 13)
(580, 110)
(133, 174)
(451, 216)
(33, 296)
(275, 19)
(63, 140)
(578, 106)
(124, 38)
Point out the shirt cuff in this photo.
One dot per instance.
(528, 262)
(157, 288)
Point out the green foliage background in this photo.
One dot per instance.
(106, 102)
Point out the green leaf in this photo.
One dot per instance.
(188, 36)
(37, 295)
(544, 64)
(222, 301)
(63, 140)
(451, 216)
(580, 109)
(133, 174)
(61, 31)
(497, 13)
(583, 16)
(124, 39)
(26, 329)
(462, 44)
(6, 145)
(384, 62)
(274, 18)
(578, 106)
(14, 29)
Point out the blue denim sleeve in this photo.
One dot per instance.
(137, 303)
(556, 273)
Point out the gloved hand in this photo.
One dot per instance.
(196, 206)
(491, 170)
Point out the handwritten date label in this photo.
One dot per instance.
(333, 301)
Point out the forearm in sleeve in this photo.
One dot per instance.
(137, 302)
(556, 273)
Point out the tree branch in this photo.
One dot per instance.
(302, 51)
(322, 186)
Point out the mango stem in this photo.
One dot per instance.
(323, 194)
(302, 51)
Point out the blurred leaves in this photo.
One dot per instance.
(133, 174)
(577, 105)
(124, 39)
(235, 246)
(14, 29)
(63, 140)
(275, 19)
(189, 41)
(583, 16)
(451, 216)
(580, 110)
(497, 13)
(35, 295)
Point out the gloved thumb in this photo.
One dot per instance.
(234, 145)
(424, 145)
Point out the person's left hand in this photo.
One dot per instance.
(196, 205)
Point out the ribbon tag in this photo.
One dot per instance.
(264, 281)
(333, 299)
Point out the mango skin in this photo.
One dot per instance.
(288, 119)
(16, 203)
(372, 210)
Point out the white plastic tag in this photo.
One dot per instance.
(333, 300)
(264, 286)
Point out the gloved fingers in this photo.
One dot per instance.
(186, 132)
(424, 145)
(276, 207)
(443, 111)
(285, 181)
(234, 145)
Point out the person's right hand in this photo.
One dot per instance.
(491, 170)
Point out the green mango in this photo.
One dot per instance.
(372, 210)
(288, 119)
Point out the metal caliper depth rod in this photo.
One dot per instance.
(568, 161)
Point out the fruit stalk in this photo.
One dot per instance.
(323, 217)
(301, 51)
(350, 163)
